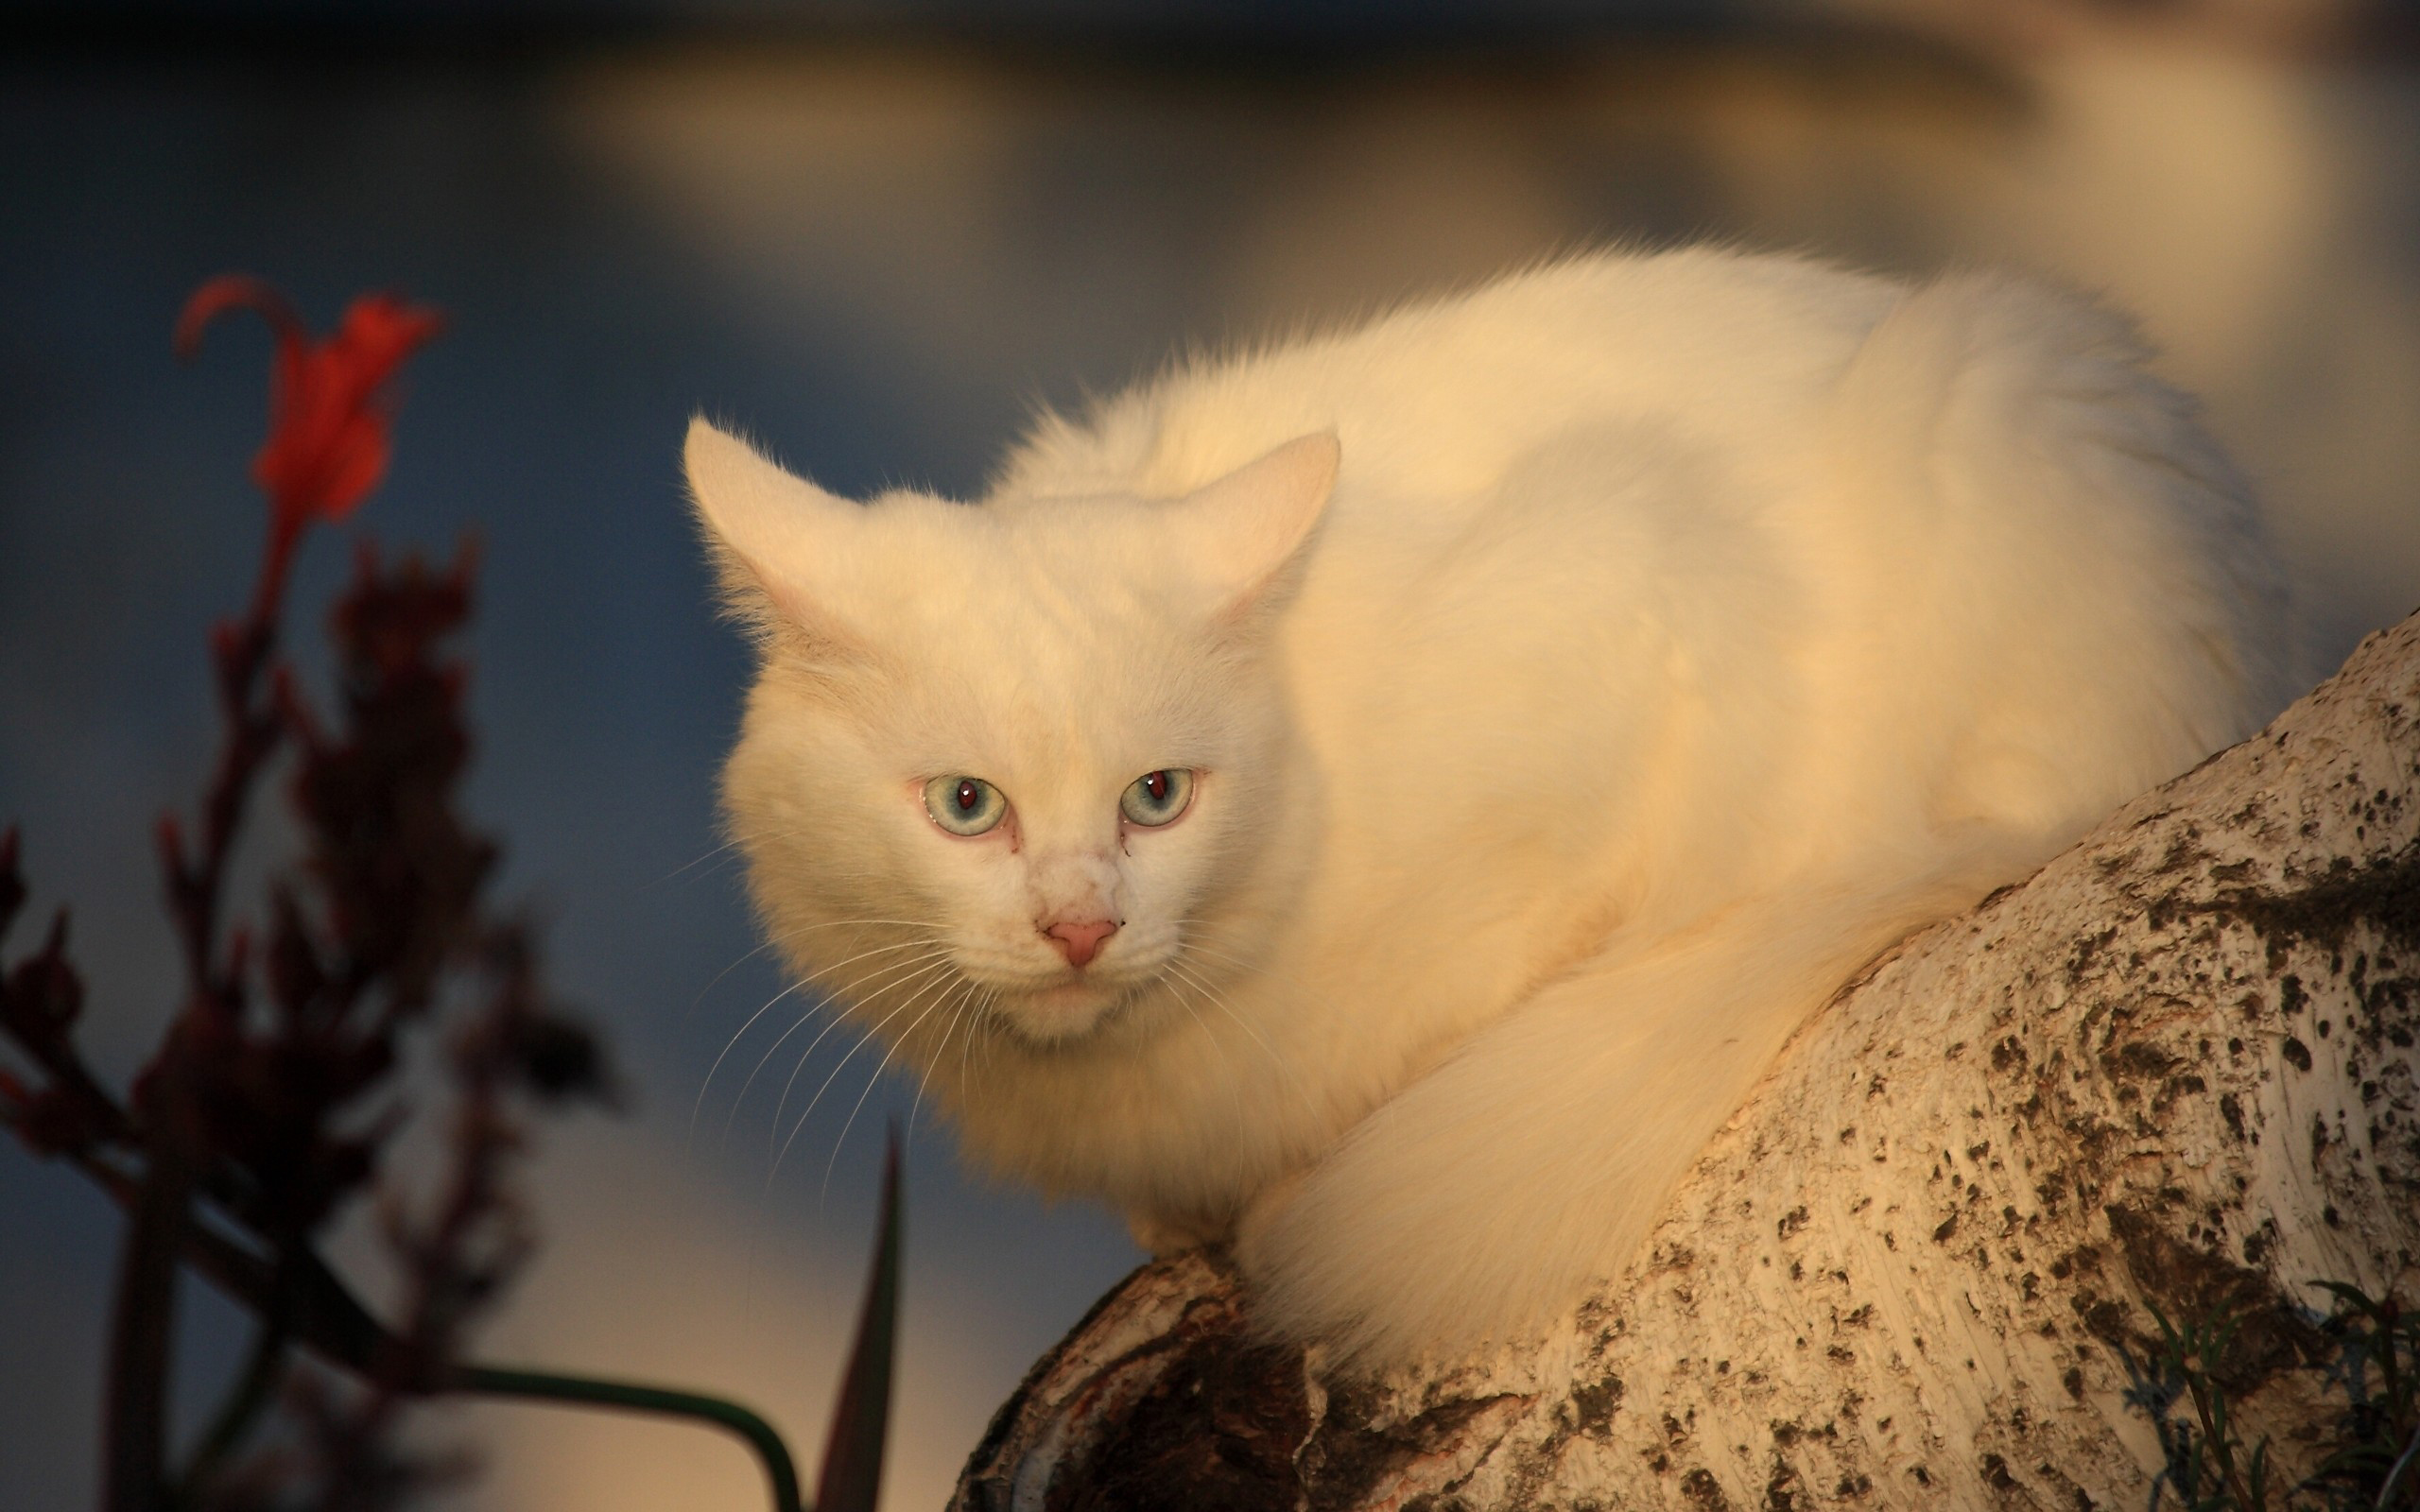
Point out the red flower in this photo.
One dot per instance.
(328, 432)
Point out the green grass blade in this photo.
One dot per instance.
(545, 1385)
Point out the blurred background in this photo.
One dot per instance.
(878, 234)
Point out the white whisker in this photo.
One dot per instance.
(700, 860)
(691, 1010)
(809, 1111)
(965, 995)
(879, 1068)
(937, 960)
(1291, 1077)
(1194, 945)
(1234, 1089)
(733, 1042)
(788, 935)
(974, 1027)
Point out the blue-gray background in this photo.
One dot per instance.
(879, 246)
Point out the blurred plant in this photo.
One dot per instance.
(2374, 1463)
(2377, 1444)
(278, 1088)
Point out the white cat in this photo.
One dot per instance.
(1383, 800)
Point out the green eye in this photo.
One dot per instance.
(964, 805)
(1156, 797)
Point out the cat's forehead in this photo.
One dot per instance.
(1034, 639)
(1049, 581)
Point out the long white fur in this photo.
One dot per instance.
(1585, 674)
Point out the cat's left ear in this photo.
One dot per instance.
(1243, 533)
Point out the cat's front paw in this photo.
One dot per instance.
(1387, 1263)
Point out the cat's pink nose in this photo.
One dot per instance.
(1080, 942)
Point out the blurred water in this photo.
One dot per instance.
(879, 259)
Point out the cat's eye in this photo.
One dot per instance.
(964, 805)
(1157, 798)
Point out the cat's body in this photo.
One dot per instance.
(1677, 632)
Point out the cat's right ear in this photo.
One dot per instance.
(1245, 532)
(768, 530)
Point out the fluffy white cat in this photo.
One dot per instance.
(1382, 800)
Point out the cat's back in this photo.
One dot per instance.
(1828, 490)
(1436, 400)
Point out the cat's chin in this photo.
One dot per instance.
(1063, 1013)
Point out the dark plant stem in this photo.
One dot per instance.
(2385, 1317)
(539, 1386)
(2214, 1434)
(253, 726)
(143, 1324)
(2394, 1476)
(269, 590)
(143, 1321)
(249, 1397)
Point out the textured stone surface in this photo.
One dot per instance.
(2175, 1069)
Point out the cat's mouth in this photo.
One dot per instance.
(1063, 1010)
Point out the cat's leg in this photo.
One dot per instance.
(1483, 1198)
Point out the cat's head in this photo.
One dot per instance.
(1012, 755)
